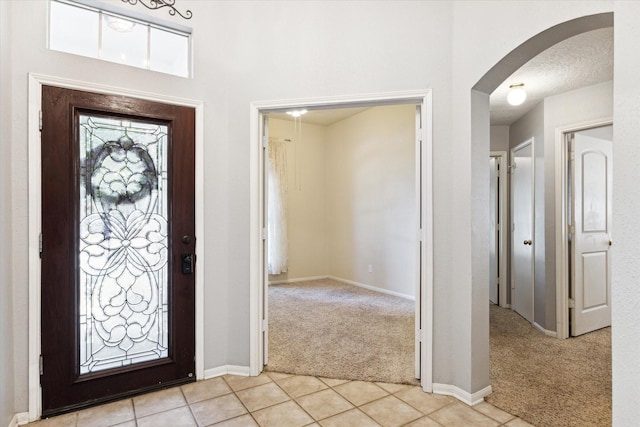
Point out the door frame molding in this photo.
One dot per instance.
(562, 236)
(256, 271)
(504, 220)
(35, 83)
(528, 141)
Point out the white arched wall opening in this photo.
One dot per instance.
(480, 128)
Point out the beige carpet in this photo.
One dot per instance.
(331, 329)
(546, 381)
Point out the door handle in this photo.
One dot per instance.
(528, 242)
(188, 261)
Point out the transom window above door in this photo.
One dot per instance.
(96, 33)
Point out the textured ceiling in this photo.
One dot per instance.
(579, 61)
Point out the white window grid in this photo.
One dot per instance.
(149, 25)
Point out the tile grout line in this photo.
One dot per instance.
(314, 392)
(291, 399)
(240, 400)
(427, 415)
(193, 415)
(513, 417)
(333, 388)
(356, 407)
(135, 416)
(329, 388)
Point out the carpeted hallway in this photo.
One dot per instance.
(327, 328)
(547, 381)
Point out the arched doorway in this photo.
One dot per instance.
(512, 62)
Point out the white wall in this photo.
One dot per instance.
(352, 199)
(499, 138)
(626, 225)
(532, 125)
(371, 207)
(307, 198)
(7, 390)
(244, 51)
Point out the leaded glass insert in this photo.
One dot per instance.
(123, 242)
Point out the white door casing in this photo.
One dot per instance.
(493, 231)
(591, 226)
(419, 242)
(498, 231)
(258, 274)
(522, 232)
(264, 131)
(36, 81)
(562, 216)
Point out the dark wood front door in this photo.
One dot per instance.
(118, 242)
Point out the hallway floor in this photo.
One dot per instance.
(281, 400)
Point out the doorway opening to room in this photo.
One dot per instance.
(498, 218)
(341, 242)
(584, 205)
(348, 184)
(548, 194)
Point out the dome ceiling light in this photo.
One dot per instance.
(517, 94)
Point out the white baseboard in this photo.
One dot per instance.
(470, 399)
(374, 288)
(300, 279)
(548, 333)
(19, 419)
(340, 279)
(227, 369)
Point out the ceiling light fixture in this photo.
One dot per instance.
(120, 25)
(517, 94)
(296, 113)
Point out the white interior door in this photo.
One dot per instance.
(522, 203)
(591, 239)
(493, 235)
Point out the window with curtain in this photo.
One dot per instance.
(277, 189)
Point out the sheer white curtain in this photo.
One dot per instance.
(277, 207)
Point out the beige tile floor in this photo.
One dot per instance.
(281, 400)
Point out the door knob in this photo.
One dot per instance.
(528, 242)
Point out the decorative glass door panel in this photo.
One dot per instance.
(118, 227)
(123, 242)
